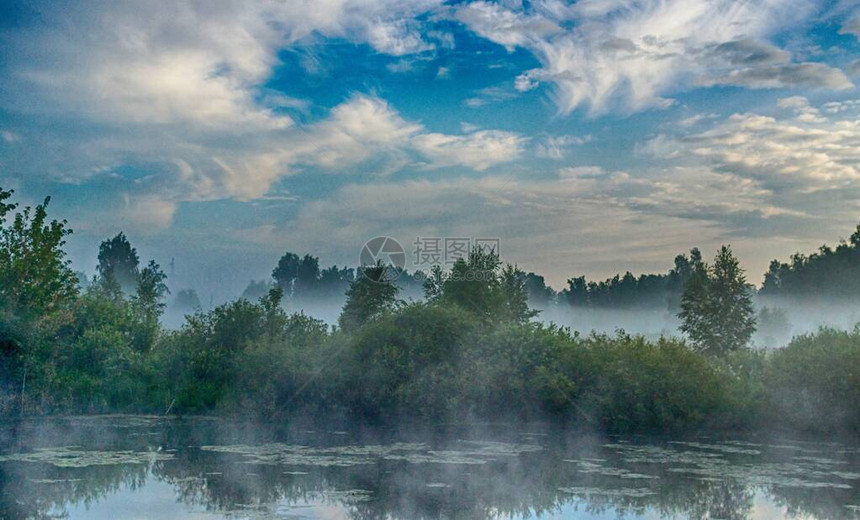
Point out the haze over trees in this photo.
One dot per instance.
(118, 264)
(472, 349)
(716, 307)
(830, 273)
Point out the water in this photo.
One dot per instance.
(126, 467)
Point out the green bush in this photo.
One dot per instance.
(634, 385)
(814, 382)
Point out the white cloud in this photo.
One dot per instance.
(851, 26)
(184, 81)
(186, 62)
(147, 213)
(557, 147)
(478, 150)
(10, 137)
(609, 53)
(796, 173)
(359, 130)
(179, 89)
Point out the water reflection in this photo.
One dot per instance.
(87, 467)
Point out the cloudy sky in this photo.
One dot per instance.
(590, 137)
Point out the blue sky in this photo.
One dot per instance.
(590, 137)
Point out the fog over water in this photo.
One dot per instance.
(149, 467)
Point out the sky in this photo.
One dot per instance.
(589, 137)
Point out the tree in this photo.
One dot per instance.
(514, 295)
(307, 276)
(257, 289)
(35, 276)
(432, 285)
(286, 272)
(187, 300)
(118, 264)
(369, 296)
(148, 303)
(151, 289)
(716, 308)
(482, 286)
(473, 283)
(540, 295)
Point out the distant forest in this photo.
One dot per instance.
(830, 273)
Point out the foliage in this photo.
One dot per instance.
(481, 285)
(716, 308)
(35, 277)
(369, 296)
(302, 280)
(829, 273)
(470, 351)
(118, 267)
(814, 382)
(187, 300)
(628, 291)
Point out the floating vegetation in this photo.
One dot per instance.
(298, 455)
(642, 454)
(803, 472)
(589, 467)
(620, 492)
(346, 456)
(116, 421)
(722, 448)
(499, 449)
(71, 457)
(436, 457)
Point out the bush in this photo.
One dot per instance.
(633, 385)
(814, 382)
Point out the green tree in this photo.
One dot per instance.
(286, 272)
(118, 265)
(369, 296)
(513, 291)
(481, 285)
(257, 289)
(540, 295)
(148, 305)
(151, 290)
(35, 277)
(187, 300)
(716, 308)
(433, 283)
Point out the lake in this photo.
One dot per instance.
(126, 467)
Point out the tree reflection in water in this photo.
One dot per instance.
(241, 470)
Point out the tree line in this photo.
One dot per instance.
(468, 349)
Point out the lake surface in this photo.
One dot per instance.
(126, 467)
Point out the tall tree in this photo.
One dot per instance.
(513, 291)
(539, 294)
(286, 272)
(148, 302)
(187, 300)
(716, 308)
(118, 264)
(369, 296)
(481, 285)
(35, 277)
(307, 276)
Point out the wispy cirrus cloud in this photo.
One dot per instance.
(607, 54)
